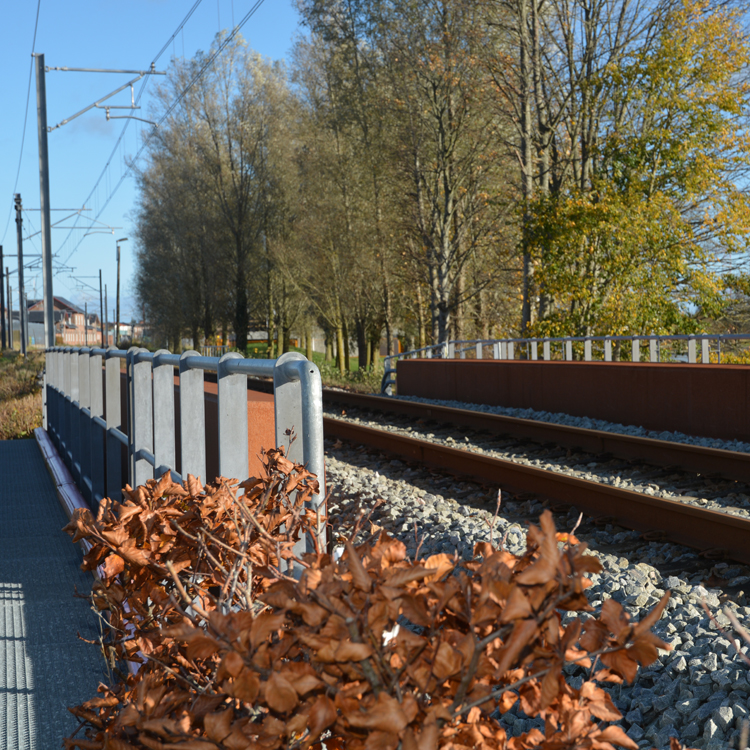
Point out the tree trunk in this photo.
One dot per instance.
(240, 313)
(420, 319)
(340, 362)
(527, 159)
(345, 334)
(363, 355)
(375, 344)
(308, 341)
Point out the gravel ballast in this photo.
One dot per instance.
(728, 496)
(588, 423)
(699, 692)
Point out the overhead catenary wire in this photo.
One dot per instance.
(170, 109)
(25, 117)
(105, 171)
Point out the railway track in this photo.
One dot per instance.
(717, 534)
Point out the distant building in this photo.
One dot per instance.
(72, 326)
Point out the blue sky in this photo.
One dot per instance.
(98, 34)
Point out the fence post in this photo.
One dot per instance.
(49, 387)
(569, 350)
(192, 420)
(451, 350)
(546, 350)
(480, 346)
(59, 398)
(96, 433)
(74, 439)
(691, 351)
(114, 422)
(653, 355)
(607, 349)
(534, 350)
(298, 393)
(45, 395)
(65, 404)
(510, 351)
(84, 422)
(287, 406)
(496, 350)
(232, 410)
(705, 355)
(164, 422)
(636, 346)
(587, 350)
(140, 412)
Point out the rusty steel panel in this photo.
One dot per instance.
(696, 527)
(703, 400)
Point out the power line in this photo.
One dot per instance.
(171, 108)
(126, 124)
(178, 30)
(25, 117)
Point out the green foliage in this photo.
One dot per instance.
(636, 250)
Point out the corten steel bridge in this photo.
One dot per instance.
(677, 348)
(84, 415)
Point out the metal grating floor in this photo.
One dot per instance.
(44, 667)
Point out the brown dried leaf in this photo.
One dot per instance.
(113, 566)
(360, 578)
(385, 715)
(322, 715)
(442, 564)
(279, 693)
(218, 725)
(617, 736)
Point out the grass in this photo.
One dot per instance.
(20, 394)
(363, 381)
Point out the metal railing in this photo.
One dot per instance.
(84, 415)
(681, 348)
(214, 350)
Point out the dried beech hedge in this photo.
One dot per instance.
(366, 651)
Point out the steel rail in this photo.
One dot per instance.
(718, 534)
(693, 458)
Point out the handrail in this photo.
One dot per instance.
(84, 419)
(505, 348)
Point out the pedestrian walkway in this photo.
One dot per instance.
(44, 667)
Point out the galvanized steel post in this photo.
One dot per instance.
(164, 421)
(74, 438)
(192, 419)
(98, 427)
(114, 422)
(653, 354)
(298, 390)
(232, 410)
(84, 423)
(140, 415)
(691, 351)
